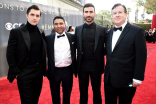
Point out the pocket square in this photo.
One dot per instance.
(72, 42)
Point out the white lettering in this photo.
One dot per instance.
(1, 5)
(6, 6)
(21, 8)
(11, 7)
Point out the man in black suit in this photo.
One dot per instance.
(61, 61)
(126, 58)
(26, 56)
(90, 55)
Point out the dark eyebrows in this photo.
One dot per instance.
(89, 11)
(32, 14)
(61, 23)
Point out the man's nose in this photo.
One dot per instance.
(35, 17)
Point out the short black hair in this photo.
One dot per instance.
(88, 5)
(118, 4)
(33, 7)
(58, 17)
(69, 28)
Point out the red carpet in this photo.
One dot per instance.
(145, 94)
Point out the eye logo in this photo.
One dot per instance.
(8, 26)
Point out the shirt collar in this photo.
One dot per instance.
(57, 34)
(123, 25)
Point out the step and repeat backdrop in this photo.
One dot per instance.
(13, 14)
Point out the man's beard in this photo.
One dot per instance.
(91, 19)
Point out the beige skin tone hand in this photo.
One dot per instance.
(135, 84)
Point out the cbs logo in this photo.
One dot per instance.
(10, 26)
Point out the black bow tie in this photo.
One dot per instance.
(120, 28)
(60, 36)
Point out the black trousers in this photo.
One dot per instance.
(122, 95)
(29, 83)
(87, 70)
(64, 75)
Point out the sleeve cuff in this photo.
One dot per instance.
(137, 81)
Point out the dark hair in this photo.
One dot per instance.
(69, 28)
(88, 5)
(58, 17)
(33, 7)
(118, 4)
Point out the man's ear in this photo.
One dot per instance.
(26, 16)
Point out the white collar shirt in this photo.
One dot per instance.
(62, 51)
(116, 35)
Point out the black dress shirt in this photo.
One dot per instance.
(88, 41)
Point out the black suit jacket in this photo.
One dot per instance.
(50, 39)
(128, 59)
(99, 49)
(19, 46)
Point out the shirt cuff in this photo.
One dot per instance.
(137, 81)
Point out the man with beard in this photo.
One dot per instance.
(90, 55)
(26, 56)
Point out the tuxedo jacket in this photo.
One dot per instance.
(18, 49)
(128, 59)
(50, 39)
(99, 49)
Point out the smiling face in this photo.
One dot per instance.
(89, 14)
(33, 17)
(59, 26)
(119, 16)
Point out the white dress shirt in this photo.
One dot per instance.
(115, 37)
(62, 52)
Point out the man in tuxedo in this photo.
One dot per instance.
(61, 52)
(26, 56)
(126, 58)
(90, 55)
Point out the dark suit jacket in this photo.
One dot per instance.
(18, 50)
(128, 59)
(50, 52)
(99, 49)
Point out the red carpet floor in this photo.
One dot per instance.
(145, 94)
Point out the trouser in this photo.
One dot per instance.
(123, 95)
(64, 75)
(88, 69)
(29, 83)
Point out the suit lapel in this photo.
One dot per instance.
(26, 37)
(52, 46)
(122, 35)
(80, 37)
(110, 41)
(71, 46)
(44, 43)
(96, 37)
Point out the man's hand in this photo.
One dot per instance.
(47, 68)
(135, 84)
(16, 76)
